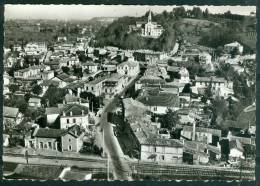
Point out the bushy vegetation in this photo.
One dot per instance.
(117, 34)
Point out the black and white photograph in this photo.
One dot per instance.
(129, 92)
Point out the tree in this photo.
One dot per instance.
(37, 89)
(65, 69)
(13, 88)
(187, 88)
(54, 95)
(170, 119)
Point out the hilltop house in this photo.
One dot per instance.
(129, 68)
(148, 29)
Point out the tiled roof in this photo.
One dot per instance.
(48, 133)
(160, 99)
(49, 82)
(52, 110)
(10, 112)
(34, 100)
(215, 132)
(75, 109)
(129, 63)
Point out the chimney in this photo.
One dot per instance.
(193, 131)
(79, 100)
(82, 112)
(64, 113)
(70, 113)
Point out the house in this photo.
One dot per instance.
(46, 75)
(45, 138)
(149, 29)
(72, 140)
(63, 80)
(34, 102)
(184, 76)
(69, 62)
(11, 114)
(34, 48)
(61, 39)
(6, 140)
(52, 114)
(73, 114)
(17, 47)
(149, 56)
(220, 86)
(95, 86)
(205, 61)
(201, 134)
(47, 83)
(159, 102)
(31, 73)
(71, 99)
(109, 67)
(153, 148)
(114, 85)
(236, 150)
(232, 46)
(6, 79)
(91, 66)
(129, 68)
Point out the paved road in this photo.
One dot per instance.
(121, 169)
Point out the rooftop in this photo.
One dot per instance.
(10, 112)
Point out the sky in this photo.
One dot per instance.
(84, 12)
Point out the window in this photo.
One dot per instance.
(41, 145)
(68, 121)
(92, 88)
(70, 148)
(162, 157)
(155, 108)
(50, 145)
(154, 149)
(74, 120)
(69, 139)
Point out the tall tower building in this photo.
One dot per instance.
(150, 16)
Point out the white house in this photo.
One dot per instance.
(95, 86)
(235, 45)
(236, 150)
(73, 114)
(73, 139)
(34, 102)
(12, 115)
(91, 66)
(200, 133)
(35, 48)
(184, 76)
(153, 148)
(129, 68)
(220, 86)
(148, 29)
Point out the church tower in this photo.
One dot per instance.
(150, 16)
